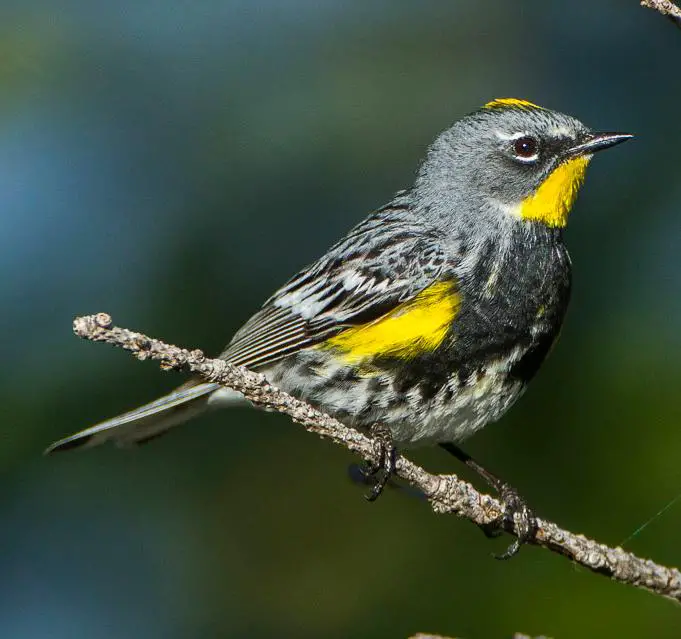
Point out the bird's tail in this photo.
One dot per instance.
(143, 423)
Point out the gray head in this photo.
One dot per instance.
(512, 157)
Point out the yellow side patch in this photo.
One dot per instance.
(552, 201)
(511, 102)
(413, 328)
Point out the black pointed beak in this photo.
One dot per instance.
(597, 142)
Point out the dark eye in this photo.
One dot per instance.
(526, 147)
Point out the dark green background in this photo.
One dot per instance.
(172, 163)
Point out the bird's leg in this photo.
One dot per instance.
(386, 454)
(516, 509)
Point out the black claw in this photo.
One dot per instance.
(357, 474)
(377, 488)
(516, 511)
(386, 455)
(511, 551)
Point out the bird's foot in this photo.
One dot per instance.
(380, 471)
(517, 514)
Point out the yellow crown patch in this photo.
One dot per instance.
(498, 103)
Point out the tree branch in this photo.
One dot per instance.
(517, 635)
(666, 8)
(445, 493)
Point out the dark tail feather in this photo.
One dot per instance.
(143, 423)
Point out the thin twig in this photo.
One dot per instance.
(445, 493)
(666, 8)
(421, 635)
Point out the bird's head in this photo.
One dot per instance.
(515, 156)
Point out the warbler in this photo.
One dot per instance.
(431, 316)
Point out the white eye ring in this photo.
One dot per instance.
(524, 146)
(526, 149)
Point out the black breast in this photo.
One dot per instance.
(513, 305)
(514, 300)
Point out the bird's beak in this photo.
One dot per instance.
(597, 142)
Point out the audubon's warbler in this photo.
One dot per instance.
(432, 315)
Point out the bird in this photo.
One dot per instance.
(427, 321)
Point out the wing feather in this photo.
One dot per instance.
(384, 261)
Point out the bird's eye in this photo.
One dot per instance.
(526, 147)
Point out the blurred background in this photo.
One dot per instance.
(172, 163)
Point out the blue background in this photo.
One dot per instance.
(172, 163)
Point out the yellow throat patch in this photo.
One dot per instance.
(413, 328)
(554, 198)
